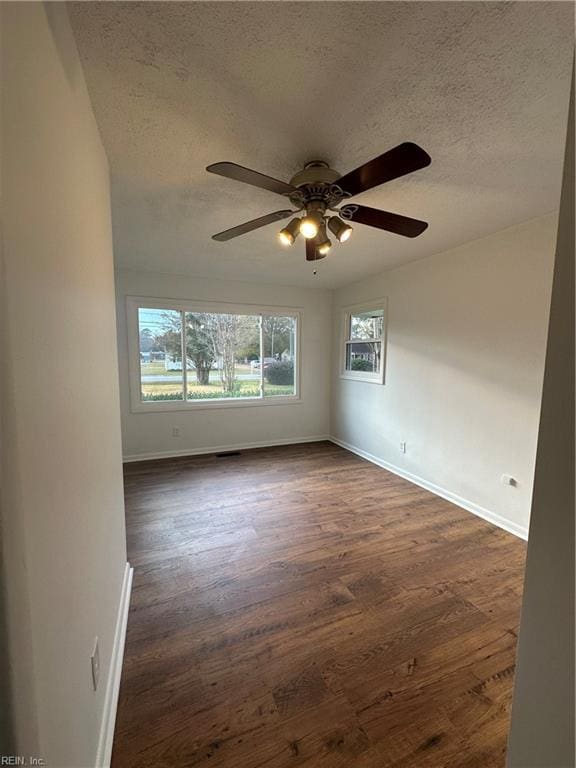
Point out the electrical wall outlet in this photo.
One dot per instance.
(95, 662)
(175, 431)
(403, 447)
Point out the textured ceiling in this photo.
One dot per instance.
(482, 87)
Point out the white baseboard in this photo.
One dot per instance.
(104, 753)
(223, 448)
(469, 506)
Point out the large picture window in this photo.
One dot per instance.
(364, 343)
(185, 355)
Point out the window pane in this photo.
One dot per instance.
(160, 335)
(220, 349)
(367, 325)
(363, 356)
(279, 350)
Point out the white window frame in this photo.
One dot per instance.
(355, 309)
(137, 405)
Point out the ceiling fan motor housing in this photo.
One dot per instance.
(315, 172)
(316, 187)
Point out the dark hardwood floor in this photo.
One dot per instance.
(300, 606)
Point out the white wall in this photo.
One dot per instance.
(62, 504)
(465, 360)
(542, 730)
(202, 429)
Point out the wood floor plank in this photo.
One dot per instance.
(299, 606)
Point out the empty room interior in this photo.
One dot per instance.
(287, 384)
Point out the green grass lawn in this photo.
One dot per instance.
(156, 367)
(169, 391)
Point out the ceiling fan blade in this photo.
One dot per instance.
(248, 226)
(312, 253)
(403, 159)
(391, 222)
(239, 173)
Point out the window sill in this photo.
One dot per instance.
(366, 379)
(202, 405)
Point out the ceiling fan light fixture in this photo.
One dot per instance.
(323, 243)
(310, 225)
(290, 232)
(340, 229)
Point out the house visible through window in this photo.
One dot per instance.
(196, 356)
(364, 344)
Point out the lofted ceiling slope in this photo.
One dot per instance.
(482, 87)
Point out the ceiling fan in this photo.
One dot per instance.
(318, 190)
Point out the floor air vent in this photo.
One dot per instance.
(226, 454)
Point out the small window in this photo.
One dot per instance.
(363, 353)
(188, 356)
